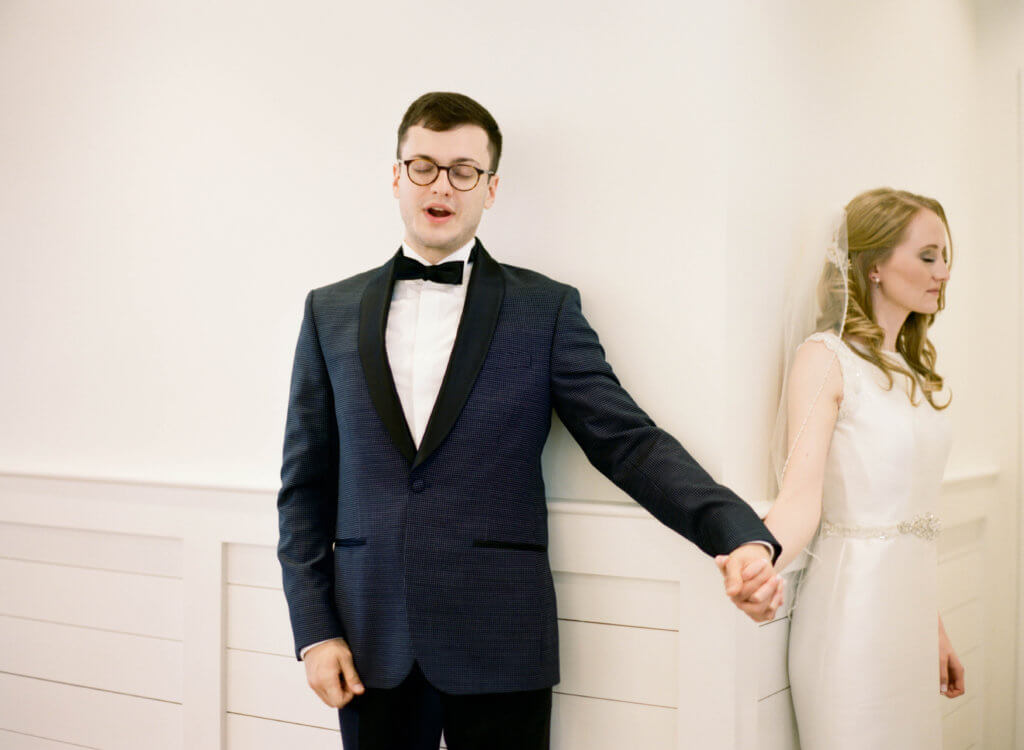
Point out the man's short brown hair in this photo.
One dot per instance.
(444, 110)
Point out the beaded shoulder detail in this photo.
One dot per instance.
(849, 366)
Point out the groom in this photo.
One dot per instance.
(413, 529)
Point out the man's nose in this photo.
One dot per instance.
(441, 185)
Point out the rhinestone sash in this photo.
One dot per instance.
(927, 526)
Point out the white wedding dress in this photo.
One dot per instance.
(863, 648)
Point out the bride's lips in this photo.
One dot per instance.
(438, 213)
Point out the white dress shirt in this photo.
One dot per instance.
(422, 323)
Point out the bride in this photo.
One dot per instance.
(865, 446)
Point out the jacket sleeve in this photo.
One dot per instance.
(625, 445)
(307, 502)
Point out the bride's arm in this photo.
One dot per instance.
(812, 405)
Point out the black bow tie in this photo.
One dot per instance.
(443, 273)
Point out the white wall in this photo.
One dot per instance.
(996, 327)
(182, 173)
(176, 176)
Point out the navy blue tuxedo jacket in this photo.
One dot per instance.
(439, 553)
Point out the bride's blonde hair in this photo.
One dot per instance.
(876, 221)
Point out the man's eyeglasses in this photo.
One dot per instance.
(462, 177)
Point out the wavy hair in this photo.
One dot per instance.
(876, 222)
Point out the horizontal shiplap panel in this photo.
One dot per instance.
(137, 665)
(960, 579)
(591, 724)
(776, 723)
(602, 661)
(619, 663)
(124, 602)
(16, 741)
(274, 687)
(130, 553)
(962, 728)
(257, 618)
(602, 671)
(594, 544)
(251, 733)
(94, 718)
(960, 538)
(577, 724)
(252, 565)
(773, 647)
(965, 625)
(624, 599)
(620, 601)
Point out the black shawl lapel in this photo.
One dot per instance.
(373, 317)
(472, 342)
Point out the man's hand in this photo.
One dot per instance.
(750, 581)
(326, 664)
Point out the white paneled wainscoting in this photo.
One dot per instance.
(149, 617)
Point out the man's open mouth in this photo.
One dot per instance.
(439, 212)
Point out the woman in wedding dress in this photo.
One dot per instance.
(867, 441)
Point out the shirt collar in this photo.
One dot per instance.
(461, 254)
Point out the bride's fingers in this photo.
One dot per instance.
(764, 609)
(777, 600)
(943, 673)
(755, 577)
(767, 591)
(956, 677)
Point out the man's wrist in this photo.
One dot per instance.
(306, 649)
(768, 547)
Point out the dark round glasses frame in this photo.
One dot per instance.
(437, 173)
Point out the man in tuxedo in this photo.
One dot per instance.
(413, 528)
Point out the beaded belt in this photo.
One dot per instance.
(927, 526)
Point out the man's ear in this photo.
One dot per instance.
(492, 189)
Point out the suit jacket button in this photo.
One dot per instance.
(418, 485)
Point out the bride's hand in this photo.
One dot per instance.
(750, 581)
(951, 671)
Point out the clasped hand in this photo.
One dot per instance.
(751, 582)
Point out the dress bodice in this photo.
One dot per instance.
(887, 456)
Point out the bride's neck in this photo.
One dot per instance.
(890, 319)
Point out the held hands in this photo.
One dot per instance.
(951, 671)
(326, 664)
(750, 581)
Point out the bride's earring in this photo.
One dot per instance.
(877, 281)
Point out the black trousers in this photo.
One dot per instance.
(412, 715)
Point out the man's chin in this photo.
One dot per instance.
(443, 245)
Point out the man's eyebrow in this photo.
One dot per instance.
(457, 160)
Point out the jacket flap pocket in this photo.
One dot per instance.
(351, 542)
